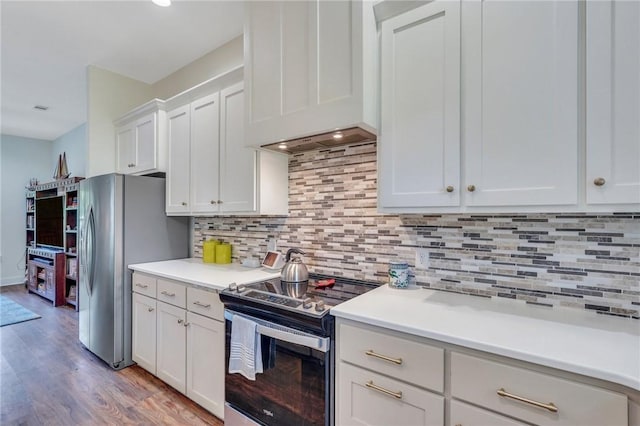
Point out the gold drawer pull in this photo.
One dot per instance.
(166, 293)
(550, 406)
(370, 352)
(198, 303)
(141, 285)
(373, 386)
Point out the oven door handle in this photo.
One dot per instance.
(284, 334)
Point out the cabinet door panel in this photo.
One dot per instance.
(171, 345)
(519, 62)
(334, 50)
(613, 102)
(178, 161)
(143, 323)
(237, 164)
(145, 143)
(467, 415)
(205, 155)
(297, 59)
(420, 129)
(126, 149)
(359, 404)
(205, 362)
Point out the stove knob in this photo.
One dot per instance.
(320, 306)
(306, 303)
(241, 288)
(233, 287)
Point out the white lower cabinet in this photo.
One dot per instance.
(179, 336)
(205, 362)
(171, 346)
(467, 415)
(391, 378)
(368, 398)
(143, 324)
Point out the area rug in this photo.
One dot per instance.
(12, 312)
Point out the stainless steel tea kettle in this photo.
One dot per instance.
(294, 271)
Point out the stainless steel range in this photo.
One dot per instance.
(297, 336)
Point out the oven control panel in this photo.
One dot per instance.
(310, 306)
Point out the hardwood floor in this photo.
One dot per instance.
(48, 378)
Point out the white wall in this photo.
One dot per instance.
(74, 145)
(110, 96)
(21, 159)
(216, 62)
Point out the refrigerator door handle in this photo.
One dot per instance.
(90, 250)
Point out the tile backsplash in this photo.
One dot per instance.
(586, 261)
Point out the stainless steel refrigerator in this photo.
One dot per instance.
(121, 221)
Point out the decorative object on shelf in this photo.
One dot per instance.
(62, 172)
(398, 274)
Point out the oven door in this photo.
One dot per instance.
(294, 388)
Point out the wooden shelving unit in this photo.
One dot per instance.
(53, 272)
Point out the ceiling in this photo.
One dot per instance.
(47, 45)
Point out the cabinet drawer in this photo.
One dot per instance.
(368, 398)
(467, 415)
(397, 357)
(173, 293)
(479, 381)
(144, 284)
(205, 303)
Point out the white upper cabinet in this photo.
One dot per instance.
(211, 171)
(205, 154)
(419, 139)
(310, 68)
(613, 102)
(141, 139)
(520, 102)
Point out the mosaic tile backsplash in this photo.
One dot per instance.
(586, 261)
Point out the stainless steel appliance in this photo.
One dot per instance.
(121, 221)
(297, 335)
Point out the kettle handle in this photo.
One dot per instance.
(293, 250)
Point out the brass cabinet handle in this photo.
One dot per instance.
(166, 293)
(141, 285)
(373, 386)
(449, 188)
(550, 406)
(198, 303)
(471, 188)
(370, 352)
(599, 181)
(150, 309)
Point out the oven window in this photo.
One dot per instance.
(291, 391)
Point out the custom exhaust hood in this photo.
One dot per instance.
(323, 140)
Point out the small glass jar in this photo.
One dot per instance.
(398, 274)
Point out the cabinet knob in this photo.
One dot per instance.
(450, 188)
(150, 309)
(219, 201)
(599, 181)
(213, 202)
(471, 188)
(183, 203)
(180, 321)
(186, 324)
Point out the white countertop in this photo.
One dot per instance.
(210, 275)
(569, 339)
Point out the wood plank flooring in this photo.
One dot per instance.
(48, 378)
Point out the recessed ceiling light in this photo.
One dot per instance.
(41, 107)
(163, 3)
(282, 146)
(337, 135)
